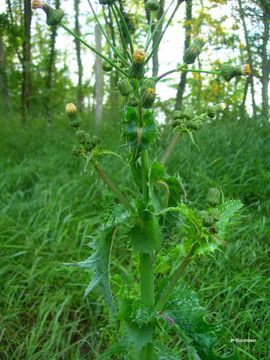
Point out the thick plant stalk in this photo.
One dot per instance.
(147, 296)
(146, 260)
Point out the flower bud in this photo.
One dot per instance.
(139, 56)
(148, 98)
(229, 71)
(152, 5)
(178, 114)
(37, 4)
(95, 141)
(213, 196)
(83, 137)
(72, 113)
(246, 69)
(148, 83)
(106, 2)
(106, 66)
(193, 51)
(212, 111)
(124, 87)
(54, 16)
(77, 150)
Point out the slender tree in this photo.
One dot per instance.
(99, 83)
(156, 36)
(78, 54)
(265, 58)
(250, 80)
(51, 66)
(26, 61)
(4, 93)
(183, 78)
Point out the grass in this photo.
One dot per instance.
(49, 206)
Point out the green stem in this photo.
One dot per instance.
(113, 187)
(163, 32)
(121, 35)
(94, 50)
(149, 32)
(146, 260)
(117, 53)
(158, 24)
(177, 274)
(147, 296)
(187, 70)
(125, 26)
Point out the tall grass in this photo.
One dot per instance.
(49, 206)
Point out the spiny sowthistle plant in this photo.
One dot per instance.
(156, 213)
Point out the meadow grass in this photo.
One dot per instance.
(49, 207)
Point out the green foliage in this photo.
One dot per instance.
(185, 312)
(99, 262)
(146, 234)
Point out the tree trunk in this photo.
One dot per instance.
(99, 90)
(249, 54)
(183, 79)
(78, 54)
(4, 96)
(51, 68)
(26, 65)
(155, 60)
(265, 66)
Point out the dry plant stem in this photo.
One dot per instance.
(177, 274)
(113, 187)
(170, 148)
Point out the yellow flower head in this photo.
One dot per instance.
(37, 4)
(139, 56)
(246, 69)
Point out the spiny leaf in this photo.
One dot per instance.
(227, 211)
(189, 317)
(99, 262)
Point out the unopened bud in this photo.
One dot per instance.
(152, 5)
(72, 113)
(77, 150)
(212, 111)
(148, 98)
(54, 16)
(95, 141)
(213, 196)
(83, 137)
(193, 51)
(106, 2)
(106, 66)
(124, 87)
